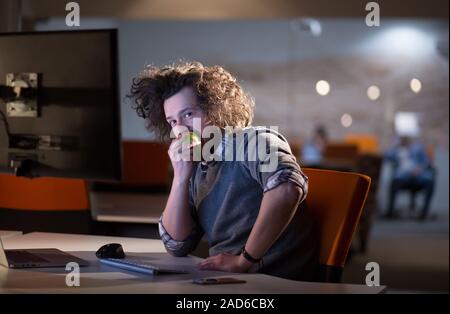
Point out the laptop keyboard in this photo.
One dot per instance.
(24, 257)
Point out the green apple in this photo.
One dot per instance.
(191, 139)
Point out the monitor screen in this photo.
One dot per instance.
(59, 104)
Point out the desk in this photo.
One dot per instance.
(99, 278)
(9, 233)
(127, 207)
(79, 242)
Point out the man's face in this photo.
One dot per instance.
(182, 109)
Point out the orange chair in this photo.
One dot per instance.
(43, 193)
(336, 200)
(44, 204)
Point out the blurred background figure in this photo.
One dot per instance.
(313, 150)
(413, 171)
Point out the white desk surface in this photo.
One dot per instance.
(99, 278)
(9, 233)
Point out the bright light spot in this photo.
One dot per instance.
(407, 124)
(373, 92)
(346, 120)
(323, 87)
(404, 40)
(416, 85)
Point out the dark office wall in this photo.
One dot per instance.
(70, 221)
(10, 13)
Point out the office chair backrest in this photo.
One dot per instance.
(43, 193)
(336, 200)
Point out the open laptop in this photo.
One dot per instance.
(37, 258)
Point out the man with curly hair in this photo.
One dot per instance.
(253, 220)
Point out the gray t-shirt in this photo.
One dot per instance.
(225, 198)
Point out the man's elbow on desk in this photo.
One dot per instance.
(179, 252)
(179, 248)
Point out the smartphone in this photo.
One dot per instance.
(217, 281)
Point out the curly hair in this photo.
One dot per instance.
(218, 94)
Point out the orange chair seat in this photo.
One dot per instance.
(43, 193)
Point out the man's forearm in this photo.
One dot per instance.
(177, 218)
(278, 206)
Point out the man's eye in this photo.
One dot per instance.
(188, 114)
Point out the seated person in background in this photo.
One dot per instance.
(412, 171)
(313, 150)
(254, 221)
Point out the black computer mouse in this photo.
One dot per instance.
(110, 250)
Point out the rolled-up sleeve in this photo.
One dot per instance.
(180, 248)
(289, 175)
(286, 168)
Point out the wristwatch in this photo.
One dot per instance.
(248, 257)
